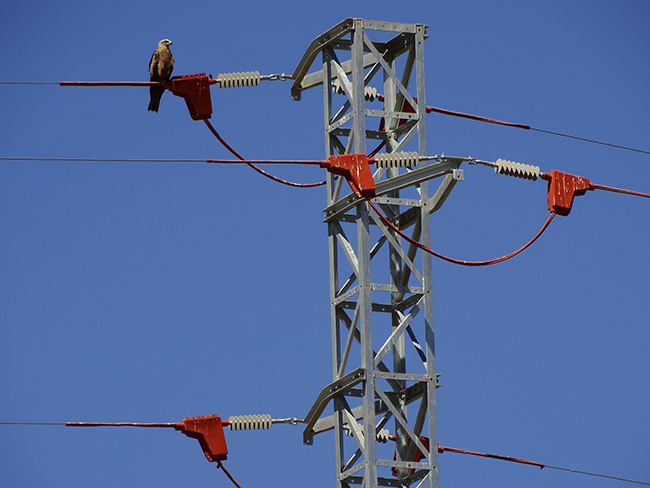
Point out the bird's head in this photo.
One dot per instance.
(165, 43)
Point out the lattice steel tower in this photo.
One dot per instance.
(380, 285)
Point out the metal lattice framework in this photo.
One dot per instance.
(380, 285)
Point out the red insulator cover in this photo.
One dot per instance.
(208, 430)
(356, 169)
(562, 187)
(195, 90)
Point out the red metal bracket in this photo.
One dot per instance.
(356, 169)
(195, 89)
(208, 430)
(562, 188)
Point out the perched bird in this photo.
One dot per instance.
(160, 69)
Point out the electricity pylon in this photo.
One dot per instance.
(380, 284)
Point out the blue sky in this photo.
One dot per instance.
(137, 292)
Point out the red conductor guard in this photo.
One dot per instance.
(562, 188)
(355, 169)
(195, 90)
(208, 430)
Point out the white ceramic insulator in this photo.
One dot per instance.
(397, 160)
(239, 79)
(369, 92)
(518, 170)
(337, 87)
(382, 436)
(249, 422)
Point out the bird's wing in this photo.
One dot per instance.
(153, 66)
(165, 64)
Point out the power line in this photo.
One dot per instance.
(121, 424)
(230, 477)
(84, 83)
(32, 423)
(429, 109)
(442, 449)
(478, 118)
(29, 83)
(104, 160)
(459, 261)
(255, 167)
(597, 475)
(620, 190)
(253, 164)
(593, 141)
(155, 160)
(528, 127)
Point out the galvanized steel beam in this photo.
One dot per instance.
(373, 271)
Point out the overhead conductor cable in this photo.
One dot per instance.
(257, 168)
(478, 118)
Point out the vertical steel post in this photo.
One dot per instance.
(363, 255)
(333, 270)
(432, 417)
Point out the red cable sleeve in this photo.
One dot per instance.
(475, 117)
(444, 111)
(264, 161)
(219, 465)
(491, 456)
(256, 168)
(535, 463)
(453, 113)
(594, 186)
(458, 261)
(376, 150)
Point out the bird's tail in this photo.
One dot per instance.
(155, 94)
